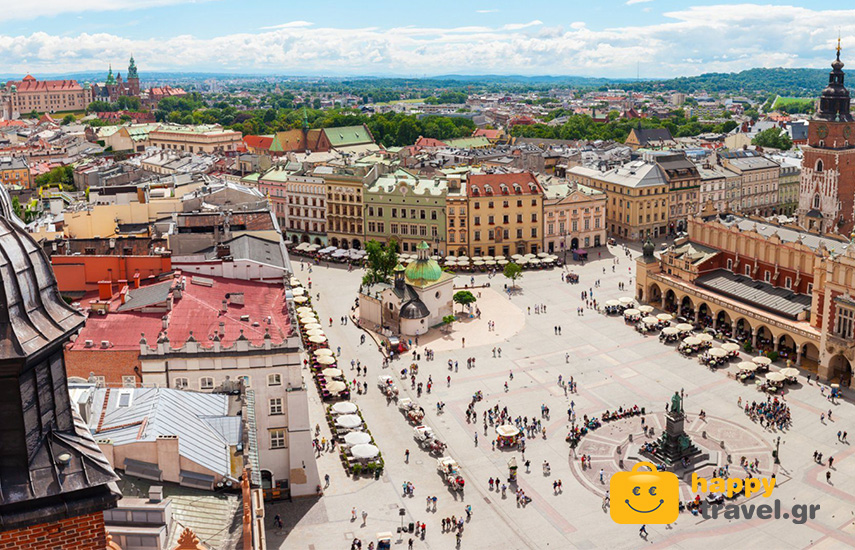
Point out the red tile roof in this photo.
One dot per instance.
(487, 133)
(198, 310)
(429, 142)
(30, 84)
(258, 142)
(527, 182)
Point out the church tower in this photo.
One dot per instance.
(827, 187)
(133, 81)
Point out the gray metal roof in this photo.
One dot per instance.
(188, 415)
(249, 247)
(146, 296)
(779, 301)
(787, 235)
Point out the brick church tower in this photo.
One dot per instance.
(54, 481)
(133, 82)
(827, 187)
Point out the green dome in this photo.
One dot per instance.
(423, 271)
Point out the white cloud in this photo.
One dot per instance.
(486, 11)
(289, 25)
(26, 10)
(687, 41)
(631, 2)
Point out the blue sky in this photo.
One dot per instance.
(596, 38)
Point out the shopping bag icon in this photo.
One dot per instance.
(639, 497)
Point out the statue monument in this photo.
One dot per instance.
(674, 448)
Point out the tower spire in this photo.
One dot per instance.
(838, 45)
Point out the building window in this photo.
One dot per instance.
(788, 283)
(816, 201)
(767, 276)
(275, 405)
(845, 322)
(748, 270)
(181, 383)
(277, 439)
(206, 383)
(729, 264)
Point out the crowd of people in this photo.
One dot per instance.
(771, 414)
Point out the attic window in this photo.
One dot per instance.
(125, 398)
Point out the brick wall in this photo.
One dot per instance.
(111, 364)
(78, 533)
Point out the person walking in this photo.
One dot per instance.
(364, 517)
(643, 531)
(601, 475)
(407, 456)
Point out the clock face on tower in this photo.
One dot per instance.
(822, 131)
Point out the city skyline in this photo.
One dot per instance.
(621, 39)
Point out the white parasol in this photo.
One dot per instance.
(718, 352)
(322, 351)
(364, 451)
(337, 387)
(327, 360)
(317, 339)
(685, 327)
(348, 420)
(775, 377)
(670, 331)
(626, 300)
(356, 438)
(762, 361)
(730, 347)
(507, 430)
(692, 341)
(344, 407)
(645, 309)
(664, 316)
(747, 366)
(631, 311)
(789, 372)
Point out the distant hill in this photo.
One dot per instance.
(784, 82)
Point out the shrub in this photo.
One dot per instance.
(357, 469)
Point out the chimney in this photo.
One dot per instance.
(165, 322)
(137, 279)
(105, 290)
(124, 294)
(225, 306)
(155, 493)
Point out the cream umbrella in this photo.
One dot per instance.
(718, 352)
(685, 327)
(317, 339)
(478, 262)
(331, 372)
(300, 300)
(299, 291)
(645, 309)
(499, 258)
(650, 320)
(704, 337)
(789, 372)
(315, 332)
(516, 256)
(534, 261)
(327, 360)
(487, 258)
(507, 430)
(312, 326)
(463, 258)
(355, 438)
(670, 331)
(295, 282)
(347, 420)
(612, 303)
(730, 347)
(345, 407)
(691, 341)
(521, 261)
(664, 316)
(364, 451)
(775, 377)
(337, 387)
(502, 262)
(451, 258)
(490, 262)
(542, 255)
(762, 361)
(322, 351)
(747, 366)
(530, 255)
(626, 300)
(302, 310)
(630, 312)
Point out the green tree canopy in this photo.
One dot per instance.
(63, 175)
(513, 272)
(773, 137)
(464, 298)
(381, 260)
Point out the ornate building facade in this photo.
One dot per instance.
(827, 187)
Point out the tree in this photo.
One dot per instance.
(68, 119)
(381, 260)
(773, 137)
(513, 272)
(62, 175)
(464, 298)
(447, 321)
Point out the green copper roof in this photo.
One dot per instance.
(132, 68)
(399, 267)
(110, 78)
(423, 271)
(348, 135)
(423, 246)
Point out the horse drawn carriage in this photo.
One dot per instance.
(427, 440)
(450, 472)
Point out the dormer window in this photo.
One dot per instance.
(488, 189)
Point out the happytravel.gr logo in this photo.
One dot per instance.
(644, 497)
(641, 497)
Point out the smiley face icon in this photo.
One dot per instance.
(639, 497)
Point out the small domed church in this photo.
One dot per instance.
(418, 298)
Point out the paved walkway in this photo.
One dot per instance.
(614, 366)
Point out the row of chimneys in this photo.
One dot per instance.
(105, 288)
